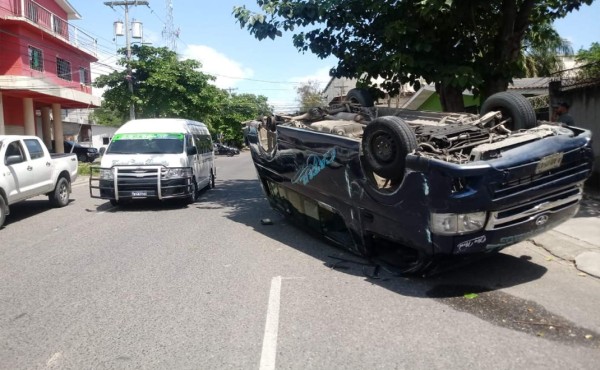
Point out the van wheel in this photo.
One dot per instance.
(513, 106)
(360, 96)
(60, 196)
(386, 142)
(3, 210)
(211, 183)
(194, 194)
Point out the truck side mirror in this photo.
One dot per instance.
(192, 150)
(13, 159)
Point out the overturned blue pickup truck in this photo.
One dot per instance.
(424, 189)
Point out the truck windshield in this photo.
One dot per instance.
(146, 144)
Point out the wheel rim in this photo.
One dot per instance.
(383, 148)
(63, 193)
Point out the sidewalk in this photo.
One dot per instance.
(578, 240)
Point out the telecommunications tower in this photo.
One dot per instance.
(170, 34)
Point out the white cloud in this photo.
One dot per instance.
(227, 71)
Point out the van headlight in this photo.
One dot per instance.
(457, 223)
(171, 173)
(107, 174)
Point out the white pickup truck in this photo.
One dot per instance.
(27, 169)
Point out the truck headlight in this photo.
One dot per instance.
(171, 173)
(106, 174)
(457, 223)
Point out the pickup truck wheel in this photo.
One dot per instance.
(360, 96)
(60, 196)
(386, 143)
(2, 210)
(513, 106)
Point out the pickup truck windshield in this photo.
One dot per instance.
(146, 144)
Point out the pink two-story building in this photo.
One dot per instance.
(44, 67)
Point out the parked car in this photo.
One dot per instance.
(84, 154)
(28, 170)
(226, 150)
(422, 190)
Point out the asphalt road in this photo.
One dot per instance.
(207, 286)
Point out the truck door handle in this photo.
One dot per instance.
(29, 168)
(47, 164)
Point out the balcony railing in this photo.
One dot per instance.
(45, 19)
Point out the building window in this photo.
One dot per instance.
(63, 69)
(35, 59)
(83, 76)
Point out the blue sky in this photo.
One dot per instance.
(208, 32)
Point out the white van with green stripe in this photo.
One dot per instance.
(160, 158)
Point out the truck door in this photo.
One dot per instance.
(41, 164)
(16, 172)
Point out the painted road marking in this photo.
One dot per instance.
(269, 348)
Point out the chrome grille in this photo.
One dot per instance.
(528, 211)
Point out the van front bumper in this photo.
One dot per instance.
(137, 182)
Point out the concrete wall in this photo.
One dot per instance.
(585, 109)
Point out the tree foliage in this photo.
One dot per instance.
(458, 45)
(237, 109)
(164, 86)
(590, 61)
(309, 95)
(543, 51)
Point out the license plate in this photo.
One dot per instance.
(549, 162)
(139, 193)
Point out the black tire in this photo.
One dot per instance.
(3, 210)
(114, 202)
(194, 194)
(82, 158)
(60, 195)
(360, 96)
(212, 181)
(514, 106)
(386, 143)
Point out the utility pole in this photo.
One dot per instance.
(126, 5)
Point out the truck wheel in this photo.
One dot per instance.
(60, 196)
(212, 180)
(114, 202)
(2, 210)
(360, 96)
(513, 106)
(386, 143)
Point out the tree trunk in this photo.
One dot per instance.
(450, 97)
(492, 86)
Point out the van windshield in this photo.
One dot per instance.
(163, 143)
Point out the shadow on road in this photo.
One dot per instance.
(248, 205)
(476, 288)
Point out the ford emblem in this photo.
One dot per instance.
(541, 220)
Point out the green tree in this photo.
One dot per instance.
(107, 116)
(309, 95)
(458, 45)
(543, 49)
(236, 109)
(163, 86)
(590, 61)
